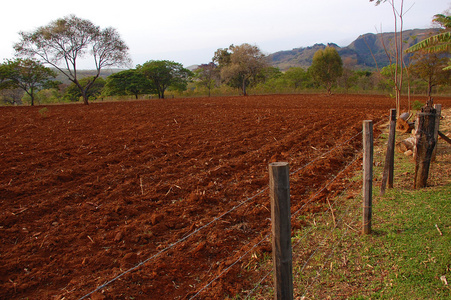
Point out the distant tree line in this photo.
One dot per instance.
(240, 69)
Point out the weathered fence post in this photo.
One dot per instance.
(389, 166)
(425, 144)
(279, 187)
(367, 175)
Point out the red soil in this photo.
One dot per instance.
(88, 192)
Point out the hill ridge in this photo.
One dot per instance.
(365, 51)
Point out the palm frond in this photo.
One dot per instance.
(437, 43)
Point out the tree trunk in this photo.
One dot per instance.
(85, 98)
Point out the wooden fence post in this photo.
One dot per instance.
(279, 187)
(438, 109)
(425, 144)
(367, 175)
(389, 166)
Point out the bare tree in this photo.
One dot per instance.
(396, 58)
(207, 76)
(65, 41)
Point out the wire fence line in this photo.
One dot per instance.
(172, 245)
(329, 183)
(325, 153)
(231, 265)
(332, 249)
(318, 273)
(322, 243)
(320, 156)
(336, 224)
(330, 208)
(263, 239)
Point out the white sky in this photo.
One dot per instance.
(189, 32)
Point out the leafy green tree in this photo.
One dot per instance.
(207, 76)
(3, 77)
(128, 82)
(298, 78)
(430, 67)
(11, 96)
(164, 74)
(65, 41)
(326, 67)
(240, 65)
(268, 73)
(26, 74)
(73, 93)
(364, 80)
(388, 78)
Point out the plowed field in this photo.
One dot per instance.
(89, 192)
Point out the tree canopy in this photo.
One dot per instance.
(240, 65)
(297, 77)
(65, 41)
(430, 68)
(164, 74)
(26, 74)
(326, 67)
(128, 82)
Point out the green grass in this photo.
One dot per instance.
(408, 246)
(405, 257)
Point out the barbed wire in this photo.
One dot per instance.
(327, 185)
(318, 273)
(313, 197)
(258, 284)
(322, 243)
(298, 242)
(172, 245)
(325, 153)
(221, 216)
(310, 229)
(229, 267)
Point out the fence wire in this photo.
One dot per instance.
(311, 199)
(312, 228)
(320, 156)
(229, 267)
(172, 245)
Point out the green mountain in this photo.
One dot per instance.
(368, 51)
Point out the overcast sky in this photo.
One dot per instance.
(189, 32)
